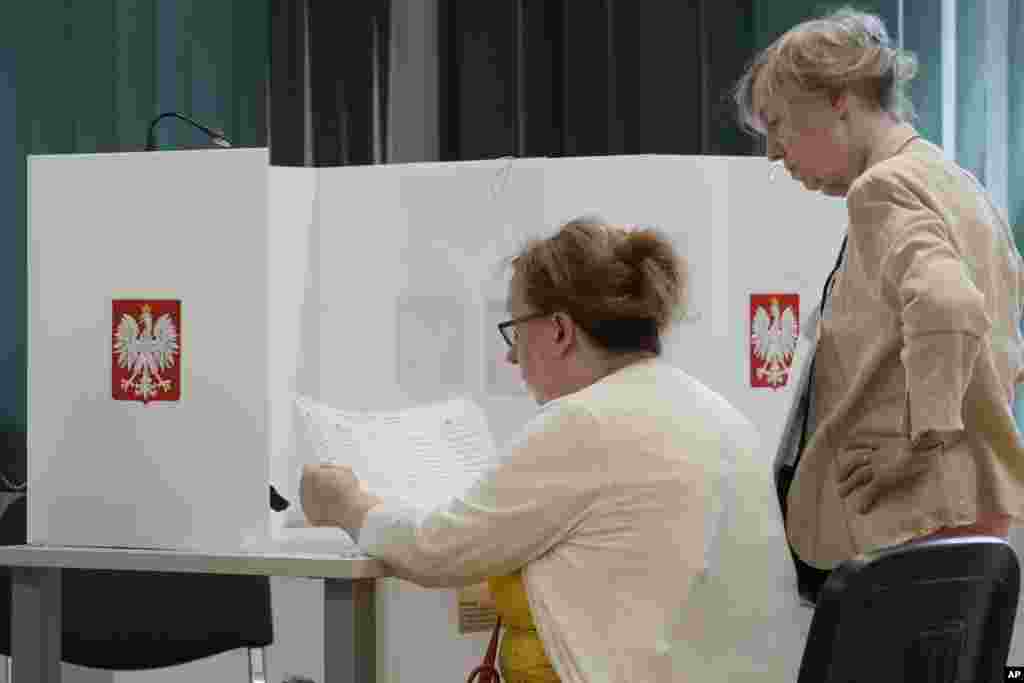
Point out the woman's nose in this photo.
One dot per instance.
(774, 150)
(511, 356)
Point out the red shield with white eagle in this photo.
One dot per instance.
(146, 350)
(774, 332)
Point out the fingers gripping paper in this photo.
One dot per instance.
(423, 455)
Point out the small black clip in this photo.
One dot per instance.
(277, 501)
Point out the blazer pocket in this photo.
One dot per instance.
(900, 514)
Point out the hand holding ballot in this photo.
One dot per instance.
(422, 456)
(331, 495)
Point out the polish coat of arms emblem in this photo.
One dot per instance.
(774, 332)
(146, 350)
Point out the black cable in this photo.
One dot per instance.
(216, 134)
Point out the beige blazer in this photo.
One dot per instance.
(922, 336)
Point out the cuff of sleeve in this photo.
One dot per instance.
(939, 368)
(386, 524)
(931, 437)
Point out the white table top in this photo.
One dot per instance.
(302, 564)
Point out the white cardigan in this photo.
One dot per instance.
(612, 502)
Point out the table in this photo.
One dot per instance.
(349, 586)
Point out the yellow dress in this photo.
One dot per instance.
(521, 657)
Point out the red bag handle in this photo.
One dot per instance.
(486, 672)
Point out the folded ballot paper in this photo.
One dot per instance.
(423, 455)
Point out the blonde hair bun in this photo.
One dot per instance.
(598, 272)
(844, 50)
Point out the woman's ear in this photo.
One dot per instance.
(560, 324)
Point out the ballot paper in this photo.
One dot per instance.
(423, 455)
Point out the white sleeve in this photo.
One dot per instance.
(737, 455)
(541, 488)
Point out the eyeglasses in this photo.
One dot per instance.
(510, 336)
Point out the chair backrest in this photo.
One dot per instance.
(126, 620)
(938, 611)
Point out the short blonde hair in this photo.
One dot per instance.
(844, 50)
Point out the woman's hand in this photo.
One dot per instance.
(479, 593)
(331, 495)
(863, 472)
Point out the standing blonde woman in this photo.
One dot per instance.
(910, 432)
(599, 517)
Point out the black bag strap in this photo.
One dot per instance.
(809, 579)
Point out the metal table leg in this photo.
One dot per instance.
(350, 631)
(35, 624)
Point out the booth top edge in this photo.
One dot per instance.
(497, 162)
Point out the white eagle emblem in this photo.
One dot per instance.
(774, 337)
(146, 352)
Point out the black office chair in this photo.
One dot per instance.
(124, 620)
(938, 611)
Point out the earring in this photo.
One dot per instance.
(836, 98)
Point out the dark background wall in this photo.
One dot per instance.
(564, 78)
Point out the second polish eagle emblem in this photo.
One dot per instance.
(774, 332)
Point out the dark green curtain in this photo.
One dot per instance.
(1015, 177)
(772, 18)
(86, 76)
(922, 35)
(990, 95)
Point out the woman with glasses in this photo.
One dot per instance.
(599, 518)
(911, 434)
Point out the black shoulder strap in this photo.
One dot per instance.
(809, 579)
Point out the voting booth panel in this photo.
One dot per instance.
(109, 466)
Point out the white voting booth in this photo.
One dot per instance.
(370, 288)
